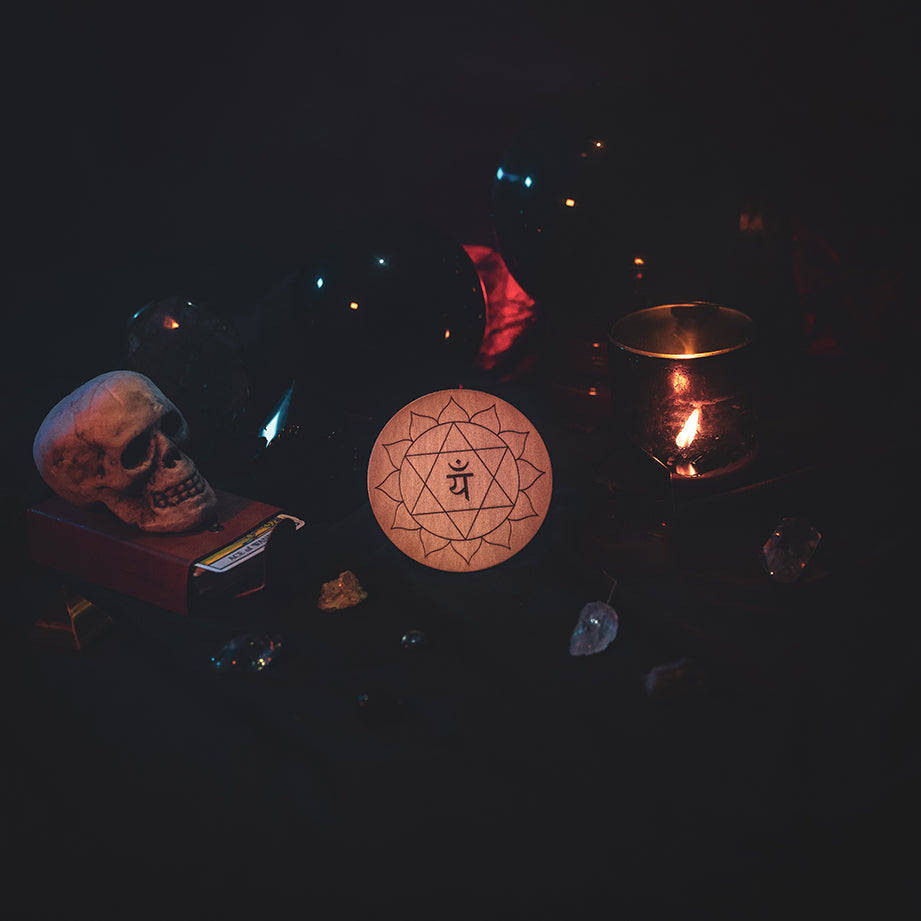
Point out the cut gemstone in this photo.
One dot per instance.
(247, 653)
(595, 629)
(789, 548)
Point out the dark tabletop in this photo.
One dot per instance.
(490, 773)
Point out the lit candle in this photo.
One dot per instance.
(678, 386)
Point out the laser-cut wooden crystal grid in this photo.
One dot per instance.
(459, 480)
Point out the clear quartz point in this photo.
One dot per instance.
(595, 629)
(250, 652)
(789, 548)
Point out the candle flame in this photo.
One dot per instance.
(689, 431)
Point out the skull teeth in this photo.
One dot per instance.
(193, 486)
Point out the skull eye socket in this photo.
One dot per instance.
(136, 450)
(171, 423)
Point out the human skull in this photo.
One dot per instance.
(118, 440)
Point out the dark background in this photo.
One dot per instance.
(142, 138)
(128, 132)
(190, 136)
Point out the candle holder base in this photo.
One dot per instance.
(709, 469)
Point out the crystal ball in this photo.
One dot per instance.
(384, 307)
(308, 461)
(195, 359)
(605, 205)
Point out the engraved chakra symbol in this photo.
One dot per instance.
(458, 481)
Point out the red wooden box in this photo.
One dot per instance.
(94, 546)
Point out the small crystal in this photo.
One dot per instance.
(789, 548)
(413, 639)
(247, 653)
(595, 629)
(674, 679)
(344, 592)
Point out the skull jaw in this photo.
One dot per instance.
(190, 513)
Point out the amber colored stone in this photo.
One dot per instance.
(342, 592)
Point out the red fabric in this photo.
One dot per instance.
(509, 310)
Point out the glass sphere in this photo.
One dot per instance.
(387, 311)
(308, 463)
(195, 359)
(605, 206)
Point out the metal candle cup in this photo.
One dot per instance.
(679, 386)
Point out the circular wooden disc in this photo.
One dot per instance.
(459, 480)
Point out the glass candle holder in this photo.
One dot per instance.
(679, 386)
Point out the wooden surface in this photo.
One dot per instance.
(460, 480)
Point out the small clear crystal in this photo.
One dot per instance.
(250, 652)
(789, 548)
(595, 629)
(413, 639)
